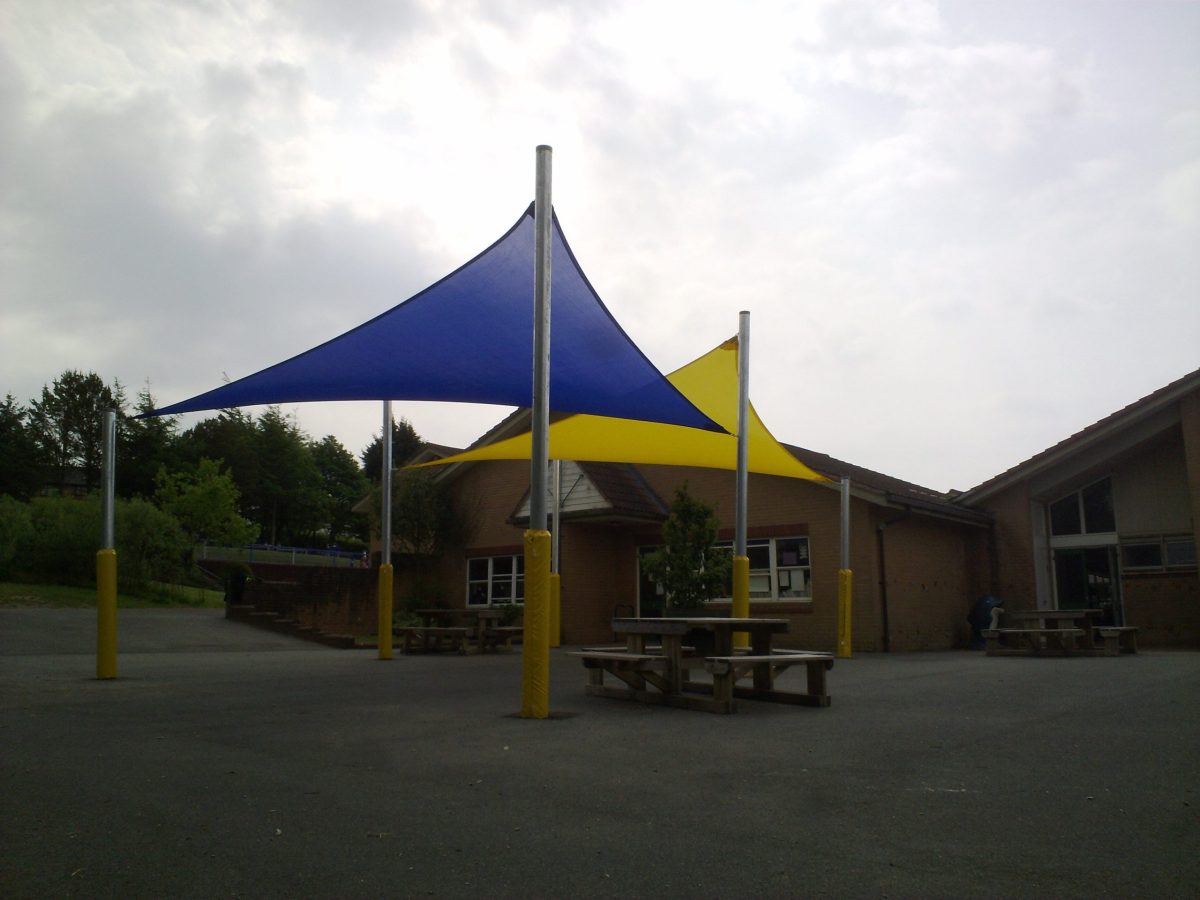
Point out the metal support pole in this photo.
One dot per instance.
(106, 558)
(845, 580)
(535, 681)
(386, 581)
(741, 560)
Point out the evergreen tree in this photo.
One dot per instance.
(344, 485)
(146, 446)
(20, 460)
(288, 494)
(66, 423)
(406, 443)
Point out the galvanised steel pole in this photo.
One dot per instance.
(106, 558)
(845, 579)
(386, 581)
(535, 682)
(741, 561)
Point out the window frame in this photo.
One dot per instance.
(515, 578)
(771, 572)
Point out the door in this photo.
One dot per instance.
(1086, 578)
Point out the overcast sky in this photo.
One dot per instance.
(964, 230)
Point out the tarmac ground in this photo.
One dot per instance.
(225, 761)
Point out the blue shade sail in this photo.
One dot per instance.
(469, 338)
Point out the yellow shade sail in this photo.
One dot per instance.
(711, 383)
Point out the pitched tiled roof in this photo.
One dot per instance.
(623, 486)
(902, 493)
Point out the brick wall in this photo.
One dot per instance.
(929, 594)
(1164, 607)
(1013, 548)
(333, 600)
(599, 572)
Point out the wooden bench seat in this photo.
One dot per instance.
(496, 636)
(1112, 640)
(726, 670)
(635, 669)
(429, 638)
(1026, 641)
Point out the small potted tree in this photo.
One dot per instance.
(690, 569)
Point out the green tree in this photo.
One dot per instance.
(144, 447)
(406, 443)
(20, 459)
(205, 502)
(230, 438)
(429, 519)
(288, 494)
(688, 566)
(343, 484)
(66, 423)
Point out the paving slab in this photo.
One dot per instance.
(226, 761)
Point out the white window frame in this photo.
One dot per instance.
(515, 577)
(773, 571)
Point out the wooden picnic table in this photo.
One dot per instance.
(460, 628)
(655, 657)
(1062, 631)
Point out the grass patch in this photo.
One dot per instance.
(59, 596)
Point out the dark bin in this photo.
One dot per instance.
(980, 618)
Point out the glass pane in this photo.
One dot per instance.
(793, 582)
(1181, 552)
(520, 595)
(760, 556)
(1098, 507)
(502, 565)
(477, 594)
(1064, 516)
(1141, 556)
(760, 585)
(477, 569)
(520, 564)
(501, 590)
(792, 552)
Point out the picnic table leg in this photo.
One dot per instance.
(764, 679)
(816, 678)
(672, 645)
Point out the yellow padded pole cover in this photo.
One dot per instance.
(741, 597)
(535, 675)
(106, 618)
(385, 611)
(845, 594)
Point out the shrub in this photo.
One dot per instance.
(66, 536)
(151, 545)
(16, 530)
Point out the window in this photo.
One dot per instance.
(1158, 552)
(1089, 511)
(495, 579)
(779, 568)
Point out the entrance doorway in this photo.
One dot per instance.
(1086, 578)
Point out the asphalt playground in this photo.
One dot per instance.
(225, 761)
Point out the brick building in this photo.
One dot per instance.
(1105, 518)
